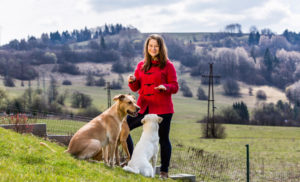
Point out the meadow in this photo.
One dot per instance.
(274, 151)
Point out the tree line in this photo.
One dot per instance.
(269, 114)
(54, 38)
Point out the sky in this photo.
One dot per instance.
(22, 18)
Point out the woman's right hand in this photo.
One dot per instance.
(131, 78)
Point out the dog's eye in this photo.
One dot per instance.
(129, 102)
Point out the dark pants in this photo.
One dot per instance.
(163, 132)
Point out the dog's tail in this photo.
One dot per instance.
(129, 169)
(46, 145)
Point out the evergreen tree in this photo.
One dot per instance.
(251, 39)
(257, 38)
(242, 110)
(102, 43)
(55, 37)
(106, 30)
(268, 60)
(112, 28)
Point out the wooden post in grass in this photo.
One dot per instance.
(248, 163)
(211, 98)
(108, 95)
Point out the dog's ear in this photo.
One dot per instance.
(119, 97)
(160, 119)
(131, 95)
(143, 121)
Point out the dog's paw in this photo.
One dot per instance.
(111, 164)
(124, 164)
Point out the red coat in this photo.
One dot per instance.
(158, 102)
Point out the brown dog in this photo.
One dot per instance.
(122, 141)
(103, 130)
(103, 153)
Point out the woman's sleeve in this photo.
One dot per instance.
(136, 85)
(172, 84)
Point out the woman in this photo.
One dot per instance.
(155, 80)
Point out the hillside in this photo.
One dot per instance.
(260, 62)
(23, 159)
(186, 108)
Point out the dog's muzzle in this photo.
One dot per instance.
(133, 114)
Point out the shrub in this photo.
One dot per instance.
(185, 89)
(17, 105)
(231, 87)
(261, 95)
(8, 81)
(213, 131)
(68, 68)
(293, 93)
(268, 114)
(80, 100)
(3, 96)
(38, 105)
(54, 108)
(201, 94)
(230, 115)
(90, 80)
(67, 82)
(21, 123)
(100, 82)
(61, 99)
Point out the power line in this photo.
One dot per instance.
(210, 99)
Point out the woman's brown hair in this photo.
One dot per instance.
(162, 56)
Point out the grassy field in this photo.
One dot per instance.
(274, 151)
(23, 159)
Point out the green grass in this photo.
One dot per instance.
(23, 159)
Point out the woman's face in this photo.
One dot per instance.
(153, 48)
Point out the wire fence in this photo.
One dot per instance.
(213, 167)
(204, 165)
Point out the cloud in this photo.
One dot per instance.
(222, 6)
(101, 6)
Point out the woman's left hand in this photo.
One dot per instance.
(161, 88)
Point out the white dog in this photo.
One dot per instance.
(146, 148)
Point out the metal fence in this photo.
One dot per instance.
(213, 167)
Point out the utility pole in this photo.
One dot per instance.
(108, 94)
(210, 99)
